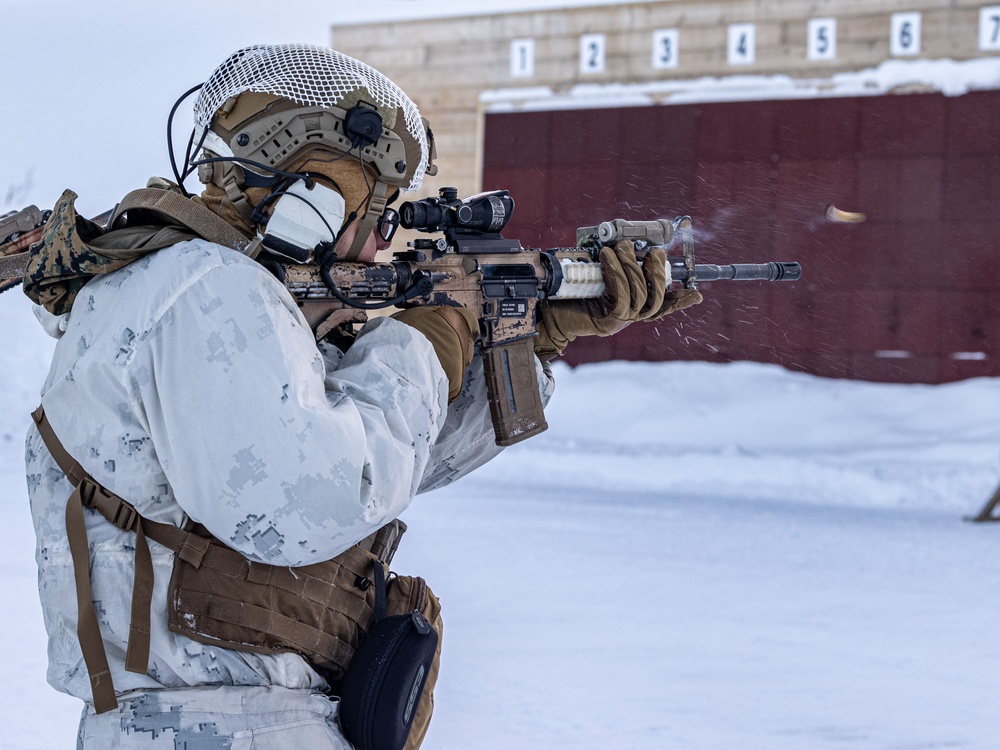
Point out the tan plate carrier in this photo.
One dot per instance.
(217, 596)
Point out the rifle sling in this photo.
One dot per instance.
(122, 514)
(12, 266)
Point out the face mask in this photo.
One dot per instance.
(301, 219)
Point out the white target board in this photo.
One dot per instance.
(905, 34)
(742, 44)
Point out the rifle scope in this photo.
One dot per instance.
(483, 212)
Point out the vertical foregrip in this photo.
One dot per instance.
(512, 387)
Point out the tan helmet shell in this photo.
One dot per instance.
(273, 104)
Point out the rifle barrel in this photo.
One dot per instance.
(740, 272)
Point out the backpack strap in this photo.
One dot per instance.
(89, 493)
(184, 211)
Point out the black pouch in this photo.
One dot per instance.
(386, 677)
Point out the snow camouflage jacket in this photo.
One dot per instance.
(189, 383)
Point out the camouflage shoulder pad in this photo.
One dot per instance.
(62, 261)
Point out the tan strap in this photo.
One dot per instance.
(88, 631)
(383, 543)
(137, 655)
(238, 198)
(375, 208)
(122, 514)
(277, 614)
(184, 211)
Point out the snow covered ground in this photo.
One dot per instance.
(693, 556)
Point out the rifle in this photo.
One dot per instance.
(471, 266)
(475, 267)
(18, 230)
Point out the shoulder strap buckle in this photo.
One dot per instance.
(117, 511)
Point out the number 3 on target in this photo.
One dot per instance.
(665, 43)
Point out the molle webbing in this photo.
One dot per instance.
(217, 596)
(319, 611)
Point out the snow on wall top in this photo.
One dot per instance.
(949, 77)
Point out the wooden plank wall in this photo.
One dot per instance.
(445, 64)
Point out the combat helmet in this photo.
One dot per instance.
(270, 109)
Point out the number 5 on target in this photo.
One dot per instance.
(822, 39)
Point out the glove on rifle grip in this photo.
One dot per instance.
(452, 332)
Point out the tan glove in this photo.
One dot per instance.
(631, 292)
(452, 332)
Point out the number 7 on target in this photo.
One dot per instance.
(989, 28)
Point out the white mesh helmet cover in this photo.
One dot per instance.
(312, 76)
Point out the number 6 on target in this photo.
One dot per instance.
(905, 39)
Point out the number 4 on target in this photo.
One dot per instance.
(742, 48)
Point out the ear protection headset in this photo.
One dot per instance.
(363, 125)
(307, 213)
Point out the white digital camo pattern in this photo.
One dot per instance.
(312, 76)
(216, 718)
(189, 384)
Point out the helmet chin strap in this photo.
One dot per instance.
(376, 206)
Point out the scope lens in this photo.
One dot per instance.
(406, 215)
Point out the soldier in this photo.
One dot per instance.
(216, 468)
